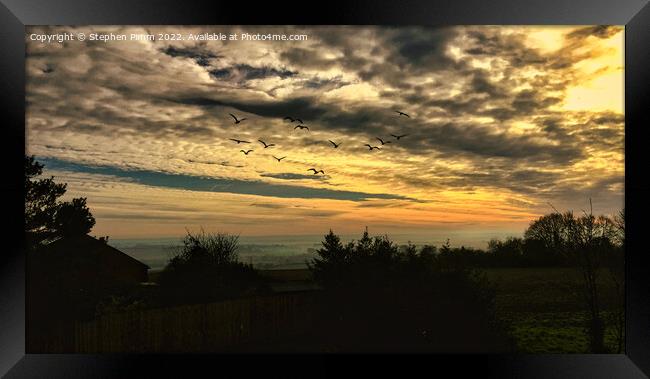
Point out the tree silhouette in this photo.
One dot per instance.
(51, 301)
(46, 218)
(381, 297)
(616, 266)
(585, 242)
(73, 218)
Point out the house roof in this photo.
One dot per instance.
(93, 243)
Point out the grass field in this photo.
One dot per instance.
(544, 308)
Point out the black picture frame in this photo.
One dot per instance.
(16, 14)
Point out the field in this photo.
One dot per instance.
(544, 308)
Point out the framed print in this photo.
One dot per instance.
(395, 187)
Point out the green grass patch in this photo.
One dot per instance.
(545, 310)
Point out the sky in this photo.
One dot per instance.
(506, 123)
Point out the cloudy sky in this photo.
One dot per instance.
(503, 121)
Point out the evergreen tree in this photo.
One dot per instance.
(46, 218)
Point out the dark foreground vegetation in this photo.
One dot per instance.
(557, 289)
(378, 297)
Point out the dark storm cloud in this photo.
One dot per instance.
(604, 131)
(474, 140)
(552, 126)
(522, 180)
(325, 84)
(609, 119)
(423, 48)
(523, 103)
(302, 107)
(366, 120)
(369, 122)
(201, 57)
(512, 47)
(410, 51)
(457, 105)
(532, 178)
(411, 68)
(528, 101)
(599, 31)
(245, 72)
(481, 83)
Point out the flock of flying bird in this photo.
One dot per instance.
(302, 127)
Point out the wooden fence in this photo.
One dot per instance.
(197, 328)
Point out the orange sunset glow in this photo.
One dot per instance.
(498, 125)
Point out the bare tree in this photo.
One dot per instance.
(616, 268)
(585, 241)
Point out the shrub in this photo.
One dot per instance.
(206, 269)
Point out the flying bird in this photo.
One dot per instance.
(382, 141)
(238, 140)
(236, 120)
(301, 127)
(398, 137)
(246, 152)
(336, 145)
(291, 119)
(372, 147)
(403, 114)
(265, 144)
(278, 159)
(316, 171)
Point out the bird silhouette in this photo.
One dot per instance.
(236, 120)
(278, 159)
(316, 171)
(372, 147)
(382, 141)
(301, 127)
(265, 144)
(403, 114)
(336, 145)
(398, 137)
(246, 152)
(238, 140)
(291, 119)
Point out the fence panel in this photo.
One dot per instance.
(196, 328)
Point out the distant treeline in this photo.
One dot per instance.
(549, 241)
(511, 252)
